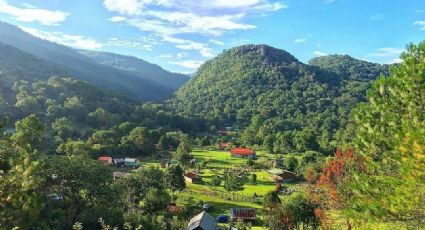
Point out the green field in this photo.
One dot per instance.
(218, 161)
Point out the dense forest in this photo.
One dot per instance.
(274, 100)
(350, 133)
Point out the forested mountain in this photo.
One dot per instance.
(272, 97)
(81, 67)
(141, 68)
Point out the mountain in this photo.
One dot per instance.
(82, 67)
(269, 94)
(138, 67)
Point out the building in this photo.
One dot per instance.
(245, 214)
(243, 153)
(280, 175)
(119, 162)
(223, 145)
(202, 221)
(105, 160)
(192, 177)
(117, 175)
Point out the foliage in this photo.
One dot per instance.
(232, 182)
(294, 212)
(389, 137)
(269, 95)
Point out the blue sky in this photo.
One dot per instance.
(179, 35)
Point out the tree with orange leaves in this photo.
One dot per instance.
(330, 190)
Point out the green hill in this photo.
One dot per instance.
(268, 94)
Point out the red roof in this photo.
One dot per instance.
(243, 213)
(105, 158)
(191, 175)
(242, 151)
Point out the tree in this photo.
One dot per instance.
(295, 211)
(331, 190)
(389, 138)
(205, 141)
(232, 182)
(291, 163)
(254, 178)
(183, 153)
(83, 184)
(268, 143)
(29, 132)
(64, 128)
(21, 199)
(174, 178)
(271, 200)
(138, 141)
(163, 143)
(215, 180)
(3, 106)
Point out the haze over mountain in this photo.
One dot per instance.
(141, 68)
(138, 83)
(268, 92)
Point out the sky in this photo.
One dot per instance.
(180, 35)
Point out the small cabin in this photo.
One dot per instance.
(244, 214)
(243, 153)
(223, 145)
(105, 160)
(279, 175)
(119, 162)
(192, 177)
(202, 221)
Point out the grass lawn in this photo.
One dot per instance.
(218, 161)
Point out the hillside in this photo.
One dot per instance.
(139, 67)
(270, 95)
(81, 67)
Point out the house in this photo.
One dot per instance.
(202, 221)
(192, 177)
(245, 214)
(105, 160)
(118, 162)
(223, 145)
(117, 175)
(243, 153)
(279, 175)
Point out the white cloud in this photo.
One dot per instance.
(205, 17)
(184, 44)
(132, 44)
(117, 19)
(216, 42)
(386, 52)
(421, 24)
(191, 64)
(300, 40)
(75, 41)
(319, 53)
(31, 14)
(395, 60)
(387, 55)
